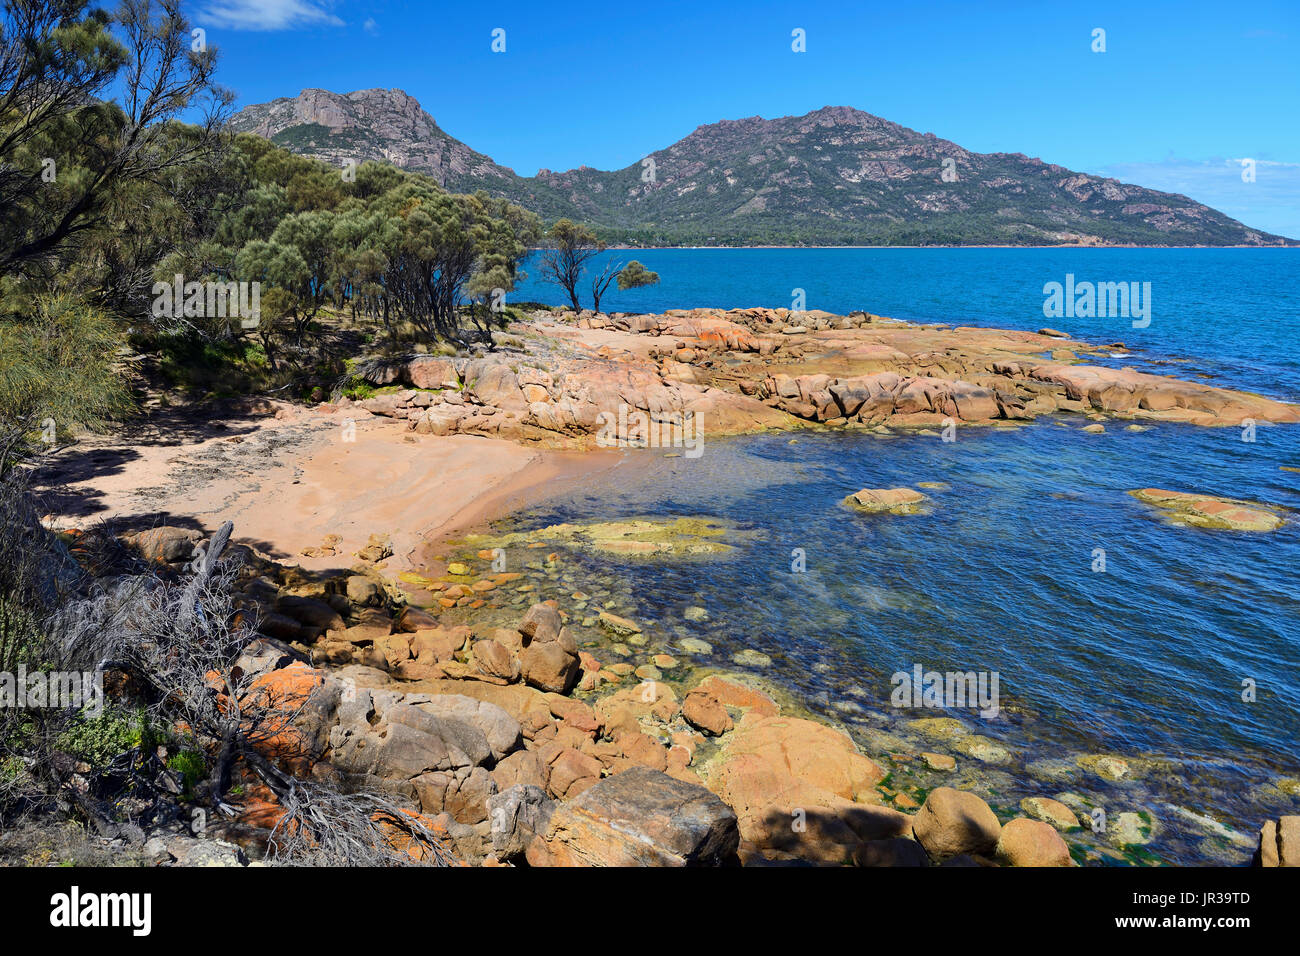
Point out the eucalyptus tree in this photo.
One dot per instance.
(86, 104)
(569, 247)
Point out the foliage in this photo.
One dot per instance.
(56, 371)
(98, 740)
(634, 275)
(191, 765)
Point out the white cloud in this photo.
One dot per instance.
(268, 14)
(1270, 203)
(371, 27)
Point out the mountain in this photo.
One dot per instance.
(836, 175)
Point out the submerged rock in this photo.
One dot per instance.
(655, 538)
(1131, 828)
(620, 626)
(983, 749)
(751, 658)
(1050, 811)
(693, 645)
(896, 501)
(1106, 766)
(941, 762)
(1210, 511)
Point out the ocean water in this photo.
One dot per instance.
(1146, 659)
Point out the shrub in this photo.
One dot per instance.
(97, 740)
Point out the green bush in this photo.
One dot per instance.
(192, 767)
(97, 740)
(358, 389)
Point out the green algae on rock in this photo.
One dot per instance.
(654, 538)
(1210, 511)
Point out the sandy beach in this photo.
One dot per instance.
(289, 477)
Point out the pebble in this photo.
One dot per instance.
(939, 761)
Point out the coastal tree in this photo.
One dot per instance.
(569, 247)
(631, 276)
(634, 276)
(68, 156)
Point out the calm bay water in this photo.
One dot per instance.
(1145, 660)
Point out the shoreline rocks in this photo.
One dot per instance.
(748, 370)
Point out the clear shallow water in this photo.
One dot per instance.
(1145, 660)
(1233, 314)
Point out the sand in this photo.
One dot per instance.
(290, 476)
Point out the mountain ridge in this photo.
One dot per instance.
(836, 175)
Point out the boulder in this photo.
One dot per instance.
(364, 592)
(431, 372)
(898, 851)
(165, 544)
(549, 660)
(542, 623)
(1024, 842)
(549, 667)
(568, 770)
(1279, 843)
(953, 822)
(705, 712)
(264, 654)
(639, 817)
(310, 612)
(495, 660)
(429, 749)
(801, 789)
(288, 713)
(518, 814)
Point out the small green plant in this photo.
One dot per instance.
(191, 765)
(358, 389)
(98, 740)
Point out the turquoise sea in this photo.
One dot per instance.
(1146, 660)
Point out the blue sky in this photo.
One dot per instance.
(1181, 94)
